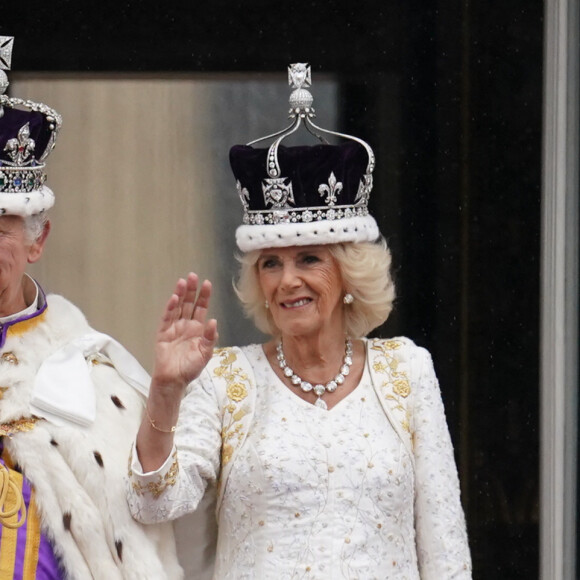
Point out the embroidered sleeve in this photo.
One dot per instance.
(177, 487)
(154, 482)
(441, 535)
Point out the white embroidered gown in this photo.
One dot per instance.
(316, 494)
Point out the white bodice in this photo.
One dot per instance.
(317, 494)
(366, 490)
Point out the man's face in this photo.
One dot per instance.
(16, 252)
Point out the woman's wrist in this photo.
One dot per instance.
(155, 424)
(162, 407)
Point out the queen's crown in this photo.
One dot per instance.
(306, 183)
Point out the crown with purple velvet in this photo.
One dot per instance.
(304, 195)
(28, 132)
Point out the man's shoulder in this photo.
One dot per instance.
(64, 317)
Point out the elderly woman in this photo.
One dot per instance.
(330, 452)
(71, 398)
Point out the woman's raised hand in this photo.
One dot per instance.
(185, 340)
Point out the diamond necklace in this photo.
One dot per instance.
(319, 389)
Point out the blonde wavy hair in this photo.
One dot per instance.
(365, 269)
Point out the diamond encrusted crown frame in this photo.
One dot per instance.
(277, 189)
(21, 171)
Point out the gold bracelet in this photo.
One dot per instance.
(152, 423)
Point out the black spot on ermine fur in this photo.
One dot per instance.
(117, 401)
(98, 458)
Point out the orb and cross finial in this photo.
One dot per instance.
(299, 77)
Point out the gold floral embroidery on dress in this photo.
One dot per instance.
(156, 488)
(26, 424)
(396, 385)
(237, 386)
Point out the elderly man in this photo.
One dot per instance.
(71, 398)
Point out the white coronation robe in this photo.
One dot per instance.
(78, 473)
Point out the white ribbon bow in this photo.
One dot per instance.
(64, 391)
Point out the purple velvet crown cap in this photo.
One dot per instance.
(306, 167)
(320, 195)
(13, 120)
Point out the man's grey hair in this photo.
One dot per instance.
(34, 226)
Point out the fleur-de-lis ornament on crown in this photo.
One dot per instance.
(331, 190)
(21, 148)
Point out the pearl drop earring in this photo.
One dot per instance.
(266, 304)
(348, 298)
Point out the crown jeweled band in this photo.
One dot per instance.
(15, 180)
(305, 216)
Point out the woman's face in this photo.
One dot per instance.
(303, 287)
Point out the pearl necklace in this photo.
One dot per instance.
(319, 389)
